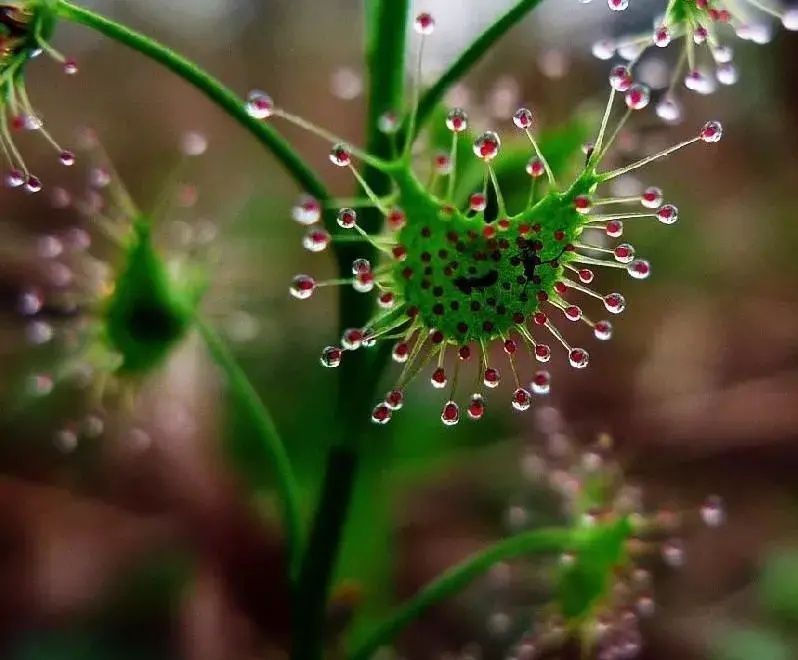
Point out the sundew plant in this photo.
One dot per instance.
(470, 252)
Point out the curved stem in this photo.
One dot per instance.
(246, 395)
(385, 55)
(217, 92)
(470, 56)
(456, 578)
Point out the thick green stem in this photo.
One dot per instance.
(248, 398)
(458, 577)
(471, 56)
(386, 24)
(217, 92)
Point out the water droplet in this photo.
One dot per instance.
(457, 120)
(615, 303)
(394, 399)
(604, 49)
(624, 253)
(363, 282)
(711, 132)
(307, 210)
(712, 511)
(541, 382)
(193, 143)
(352, 339)
(700, 35)
(478, 202)
(259, 104)
(302, 287)
(316, 240)
(424, 24)
(388, 123)
(651, 198)
(491, 378)
(722, 54)
(381, 414)
(396, 218)
(602, 330)
(522, 399)
(39, 332)
(487, 146)
(476, 407)
(49, 246)
(673, 553)
(70, 67)
(331, 356)
(346, 83)
(40, 384)
(66, 440)
(620, 78)
(582, 204)
(340, 155)
(668, 214)
(438, 378)
(637, 97)
(386, 300)
(698, 81)
(669, 110)
(727, 74)
(347, 218)
(450, 415)
(67, 158)
(33, 184)
(639, 269)
(401, 351)
(790, 19)
(614, 228)
(15, 178)
(99, 177)
(578, 357)
(30, 302)
(442, 163)
(662, 36)
(618, 5)
(572, 313)
(523, 118)
(535, 167)
(93, 426)
(542, 352)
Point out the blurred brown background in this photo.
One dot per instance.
(152, 541)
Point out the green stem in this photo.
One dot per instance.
(217, 92)
(456, 578)
(246, 395)
(470, 56)
(359, 373)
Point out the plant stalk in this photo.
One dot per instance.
(540, 541)
(286, 484)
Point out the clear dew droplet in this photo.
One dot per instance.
(668, 214)
(523, 118)
(669, 110)
(618, 5)
(450, 415)
(712, 511)
(604, 49)
(602, 330)
(620, 78)
(457, 120)
(790, 19)
(637, 97)
(673, 553)
(541, 383)
(727, 73)
(614, 302)
(639, 269)
(331, 356)
(698, 81)
(302, 287)
(711, 132)
(424, 24)
(259, 104)
(307, 210)
(487, 146)
(578, 358)
(521, 399)
(341, 155)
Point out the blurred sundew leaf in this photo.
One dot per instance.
(751, 644)
(778, 586)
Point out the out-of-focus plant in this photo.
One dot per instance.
(458, 266)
